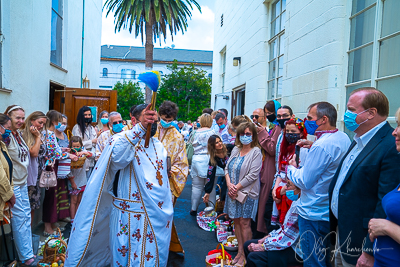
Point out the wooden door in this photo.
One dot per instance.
(70, 100)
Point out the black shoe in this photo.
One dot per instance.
(193, 213)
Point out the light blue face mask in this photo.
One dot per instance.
(245, 140)
(58, 125)
(165, 124)
(350, 120)
(290, 195)
(222, 126)
(117, 127)
(104, 120)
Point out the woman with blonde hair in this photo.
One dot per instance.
(34, 124)
(199, 141)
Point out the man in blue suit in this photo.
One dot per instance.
(369, 170)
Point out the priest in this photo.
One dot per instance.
(126, 212)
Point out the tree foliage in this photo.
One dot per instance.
(134, 14)
(129, 94)
(189, 88)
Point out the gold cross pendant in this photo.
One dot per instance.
(159, 178)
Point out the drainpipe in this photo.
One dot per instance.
(83, 38)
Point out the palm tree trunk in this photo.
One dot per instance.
(149, 54)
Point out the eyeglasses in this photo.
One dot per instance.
(255, 116)
(117, 122)
(246, 134)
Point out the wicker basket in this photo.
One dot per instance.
(225, 256)
(50, 254)
(219, 205)
(79, 163)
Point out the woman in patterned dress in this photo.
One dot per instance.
(242, 174)
(52, 152)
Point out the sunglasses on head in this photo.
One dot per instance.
(117, 122)
(246, 134)
(255, 116)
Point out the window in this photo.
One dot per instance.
(223, 66)
(276, 49)
(161, 73)
(210, 75)
(56, 32)
(373, 50)
(128, 74)
(105, 72)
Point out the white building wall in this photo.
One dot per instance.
(315, 54)
(26, 47)
(315, 48)
(243, 34)
(114, 71)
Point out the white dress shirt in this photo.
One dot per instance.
(361, 141)
(314, 178)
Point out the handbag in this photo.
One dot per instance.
(242, 197)
(48, 177)
(190, 149)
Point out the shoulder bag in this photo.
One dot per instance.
(48, 177)
(189, 148)
(242, 197)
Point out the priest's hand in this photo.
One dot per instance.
(149, 116)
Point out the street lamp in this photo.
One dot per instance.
(86, 82)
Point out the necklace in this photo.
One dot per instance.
(158, 164)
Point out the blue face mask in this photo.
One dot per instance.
(350, 120)
(245, 140)
(6, 133)
(198, 125)
(165, 124)
(311, 126)
(290, 195)
(58, 125)
(222, 126)
(104, 120)
(117, 127)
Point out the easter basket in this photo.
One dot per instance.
(219, 205)
(220, 231)
(206, 219)
(217, 256)
(79, 163)
(56, 253)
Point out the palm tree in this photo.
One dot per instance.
(152, 16)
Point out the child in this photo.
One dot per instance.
(77, 177)
(294, 131)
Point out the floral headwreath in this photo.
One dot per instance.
(299, 124)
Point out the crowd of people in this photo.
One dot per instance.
(294, 188)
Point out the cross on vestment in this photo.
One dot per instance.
(159, 178)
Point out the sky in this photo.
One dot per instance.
(198, 36)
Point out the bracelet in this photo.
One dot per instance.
(262, 245)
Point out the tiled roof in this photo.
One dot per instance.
(160, 54)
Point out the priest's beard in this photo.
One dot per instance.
(153, 129)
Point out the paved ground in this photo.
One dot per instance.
(195, 241)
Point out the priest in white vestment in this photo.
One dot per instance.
(125, 216)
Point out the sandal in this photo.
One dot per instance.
(46, 234)
(243, 264)
(236, 259)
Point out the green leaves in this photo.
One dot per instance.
(132, 14)
(129, 94)
(189, 88)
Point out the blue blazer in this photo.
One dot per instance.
(373, 174)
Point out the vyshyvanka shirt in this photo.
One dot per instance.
(314, 178)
